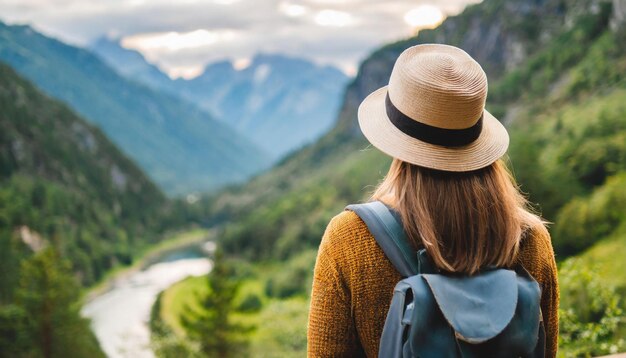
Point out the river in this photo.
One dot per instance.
(120, 316)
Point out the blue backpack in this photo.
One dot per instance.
(495, 313)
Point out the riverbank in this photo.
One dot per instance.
(119, 308)
(272, 300)
(149, 254)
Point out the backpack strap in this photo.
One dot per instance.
(389, 234)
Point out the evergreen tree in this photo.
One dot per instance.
(49, 295)
(14, 339)
(211, 325)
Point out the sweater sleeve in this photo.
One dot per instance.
(537, 256)
(331, 328)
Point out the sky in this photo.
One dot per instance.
(182, 36)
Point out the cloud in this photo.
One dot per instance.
(183, 36)
(333, 18)
(176, 41)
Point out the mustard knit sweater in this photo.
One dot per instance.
(353, 284)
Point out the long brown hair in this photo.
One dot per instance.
(464, 220)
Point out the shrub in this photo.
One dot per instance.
(251, 302)
(582, 222)
(294, 279)
(591, 313)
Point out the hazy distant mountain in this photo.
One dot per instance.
(129, 63)
(180, 146)
(280, 102)
(284, 102)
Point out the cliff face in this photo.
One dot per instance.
(500, 35)
(619, 15)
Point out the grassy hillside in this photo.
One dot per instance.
(571, 160)
(593, 286)
(182, 148)
(564, 108)
(269, 300)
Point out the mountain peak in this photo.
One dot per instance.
(105, 44)
(19, 27)
(284, 101)
(277, 59)
(106, 40)
(221, 65)
(129, 63)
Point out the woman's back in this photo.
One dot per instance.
(353, 285)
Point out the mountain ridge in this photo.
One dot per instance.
(153, 128)
(280, 102)
(135, 65)
(72, 208)
(64, 180)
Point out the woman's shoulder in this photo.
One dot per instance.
(345, 227)
(536, 240)
(347, 237)
(536, 253)
(348, 220)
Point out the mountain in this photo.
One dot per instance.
(281, 103)
(180, 146)
(286, 102)
(65, 183)
(129, 63)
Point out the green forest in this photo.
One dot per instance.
(74, 208)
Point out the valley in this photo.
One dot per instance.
(101, 164)
(567, 152)
(120, 310)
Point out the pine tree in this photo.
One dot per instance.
(211, 325)
(49, 294)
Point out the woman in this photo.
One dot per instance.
(452, 190)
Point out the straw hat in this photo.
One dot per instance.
(432, 113)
